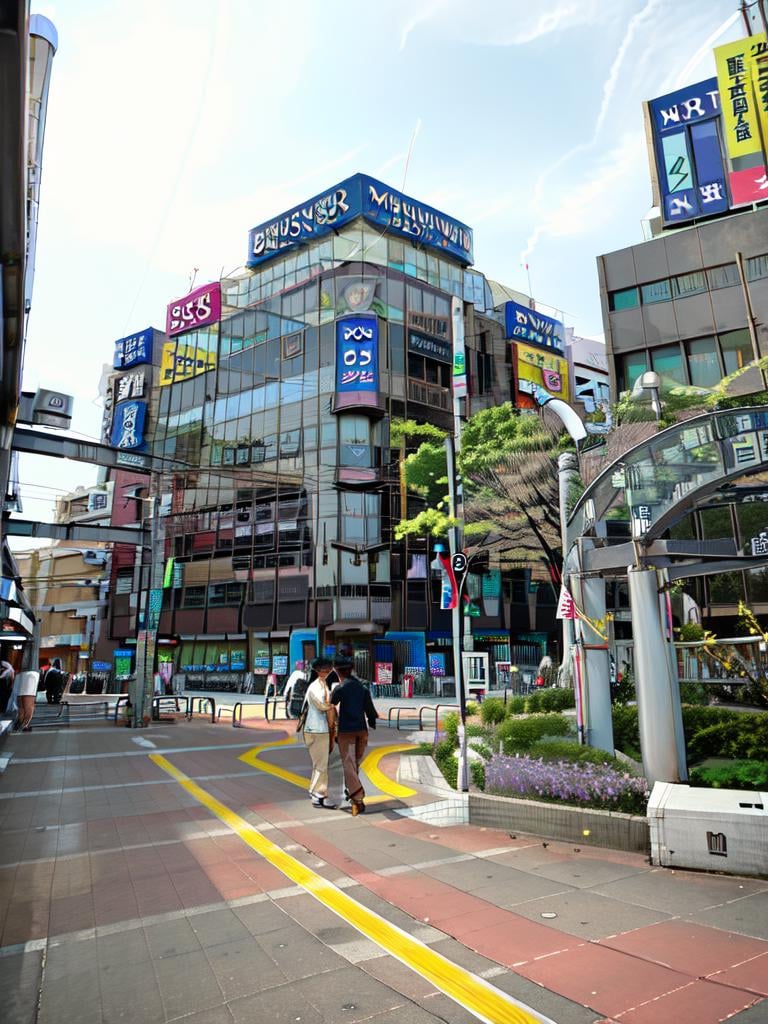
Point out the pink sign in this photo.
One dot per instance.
(200, 307)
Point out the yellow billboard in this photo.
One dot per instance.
(539, 370)
(182, 362)
(739, 67)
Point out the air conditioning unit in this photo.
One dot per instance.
(91, 557)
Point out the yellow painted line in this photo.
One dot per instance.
(473, 993)
(370, 766)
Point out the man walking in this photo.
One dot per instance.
(356, 713)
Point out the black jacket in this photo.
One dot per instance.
(355, 705)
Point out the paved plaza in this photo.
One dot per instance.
(180, 873)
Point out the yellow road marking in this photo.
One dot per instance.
(370, 766)
(473, 993)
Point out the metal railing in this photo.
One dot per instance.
(236, 710)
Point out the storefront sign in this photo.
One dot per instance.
(526, 324)
(181, 362)
(741, 118)
(360, 196)
(131, 385)
(136, 348)
(128, 425)
(200, 307)
(357, 345)
(459, 353)
(432, 348)
(437, 665)
(437, 326)
(383, 673)
(133, 461)
(280, 664)
(536, 371)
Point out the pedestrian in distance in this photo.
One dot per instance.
(7, 675)
(356, 714)
(54, 682)
(25, 692)
(319, 731)
(297, 676)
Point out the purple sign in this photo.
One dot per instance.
(200, 307)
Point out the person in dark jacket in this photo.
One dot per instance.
(55, 680)
(356, 714)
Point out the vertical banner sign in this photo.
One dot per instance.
(739, 67)
(357, 354)
(449, 592)
(689, 163)
(199, 308)
(128, 425)
(459, 352)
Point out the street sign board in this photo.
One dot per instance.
(459, 562)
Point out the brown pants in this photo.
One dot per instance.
(27, 710)
(352, 748)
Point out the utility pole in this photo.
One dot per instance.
(152, 595)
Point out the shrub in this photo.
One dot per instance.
(515, 706)
(584, 784)
(557, 699)
(477, 770)
(482, 749)
(517, 734)
(533, 702)
(492, 711)
(741, 735)
(446, 762)
(471, 708)
(450, 726)
(736, 775)
(570, 750)
(475, 729)
(626, 735)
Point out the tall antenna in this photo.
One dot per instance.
(193, 277)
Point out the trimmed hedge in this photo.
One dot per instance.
(570, 750)
(517, 734)
(492, 711)
(736, 775)
(553, 698)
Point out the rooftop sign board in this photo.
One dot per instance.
(524, 324)
(354, 197)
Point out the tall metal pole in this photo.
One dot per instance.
(147, 638)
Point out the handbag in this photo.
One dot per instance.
(302, 717)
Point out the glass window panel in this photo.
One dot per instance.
(354, 430)
(725, 588)
(634, 364)
(657, 291)
(396, 348)
(668, 363)
(736, 348)
(625, 298)
(703, 364)
(757, 266)
(689, 284)
(723, 277)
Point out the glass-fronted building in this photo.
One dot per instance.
(279, 537)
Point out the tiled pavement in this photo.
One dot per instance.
(123, 898)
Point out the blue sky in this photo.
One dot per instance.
(175, 126)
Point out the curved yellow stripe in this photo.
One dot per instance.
(473, 993)
(370, 766)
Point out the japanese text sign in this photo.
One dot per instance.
(539, 371)
(525, 324)
(136, 348)
(128, 425)
(200, 307)
(357, 348)
(180, 362)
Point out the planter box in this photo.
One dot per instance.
(613, 829)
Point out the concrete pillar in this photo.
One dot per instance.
(589, 595)
(659, 718)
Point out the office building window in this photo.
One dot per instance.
(668, 363)
(625, 298)
(689, 284)
(737, 350)
(633, 365)
(757, 266)
(703, 364)
(658, 291)
(723, 277)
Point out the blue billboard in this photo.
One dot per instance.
(528, 325)
(689, 159)
(136, 348)
(128, 425)
(357, 354)
(358, 196)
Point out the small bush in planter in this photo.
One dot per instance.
(517, 734)
(515, 706)
(492, 711)
(735, 775)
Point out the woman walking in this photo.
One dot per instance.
(25, 690)
(319, 731)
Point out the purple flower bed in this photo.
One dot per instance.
(583, 784)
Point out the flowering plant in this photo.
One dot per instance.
(583, 784)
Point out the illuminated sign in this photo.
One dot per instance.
(537, 371)
(525, 324)
(359, 196)
(692, 175)
(433, 348)
(136, 348)
(128, 425)
(180, 362)
(131, 385)
(357, 348)
(200, 307)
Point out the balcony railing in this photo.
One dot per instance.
(429, 394)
